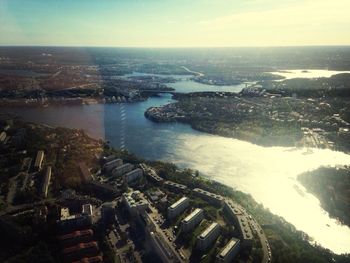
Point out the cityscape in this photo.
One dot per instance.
(174, 131)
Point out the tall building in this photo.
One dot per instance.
(46, 182)
(208, 236)
(178, 207)
(39, 160)
(192, 220)
(108, 213)
(109, 166)
(229, 252)
(133, 175)
(123, 169)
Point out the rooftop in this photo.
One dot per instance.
(208, 230)
(178, 202)
(230, 245)
(192, 215)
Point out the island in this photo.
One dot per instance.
(331, 186)
(276, 115)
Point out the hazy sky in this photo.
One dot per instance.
(175, 23)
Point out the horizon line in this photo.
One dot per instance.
(172, 47)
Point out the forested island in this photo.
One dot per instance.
(331, 185)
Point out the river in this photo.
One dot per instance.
(267, 173)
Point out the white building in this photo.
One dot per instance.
(192, 220)
(208, 236)
(178, 207)
(229, 252)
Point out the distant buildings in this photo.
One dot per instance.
(46, 182)
(208, 236)
(175, 187)
(178, 207)
(192, 220)
(209, 197)
(229, 252)
(39, 160)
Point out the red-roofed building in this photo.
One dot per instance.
(76, 237)
(81, 250)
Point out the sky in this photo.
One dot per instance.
(175, 23)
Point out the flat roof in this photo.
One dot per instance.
(87, 209)
(199, 190)
(244, 227)
(178, 202)
(175, 184)
(39, 158)
(192, 215)
(229, 246)
(209, 230)
(233, 207)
